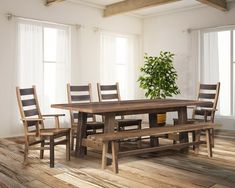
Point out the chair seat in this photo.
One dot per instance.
(128, 122)
(189, 121)
(91, 125)
(54, 132)
(95, 125)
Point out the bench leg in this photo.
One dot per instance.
(114, 156)
(104, 155)
(208, 142)
(196, 138)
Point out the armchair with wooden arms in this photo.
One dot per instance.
(34, 130)
(82, 94)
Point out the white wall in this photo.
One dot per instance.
(169, 32)
(85, 68)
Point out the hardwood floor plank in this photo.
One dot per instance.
(6, 182)
(169, 169)
(36, 184)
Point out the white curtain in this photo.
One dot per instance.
(62, 64)
(119, 62)
(210, 61)
(216, 66)
(49, 76)
(30, 55)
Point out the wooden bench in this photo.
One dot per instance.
(101, 141)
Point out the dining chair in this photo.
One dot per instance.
(112, 93)
(205, 112)
(82, 94)
(34, 129)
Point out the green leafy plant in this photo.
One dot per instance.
(158, 76)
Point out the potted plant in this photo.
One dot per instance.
(158, 78)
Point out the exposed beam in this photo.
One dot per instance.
(50, 2)
(129, 5)
(219, 4)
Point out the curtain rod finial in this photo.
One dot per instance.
(9, 16)
(189, 30)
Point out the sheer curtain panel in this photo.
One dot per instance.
(44, 60)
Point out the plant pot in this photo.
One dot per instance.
(161, 119)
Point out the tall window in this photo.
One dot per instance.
(218, 65)
(119, 57)
(43, 52)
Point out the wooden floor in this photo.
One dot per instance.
(167, 170)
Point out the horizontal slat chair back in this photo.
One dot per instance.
(109, 97)
(208, 86)
(210, 94)
(79, 94)
(28, 105)
(109, 93)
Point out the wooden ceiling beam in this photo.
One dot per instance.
(129, 5)
(50, 2)
(219, 4)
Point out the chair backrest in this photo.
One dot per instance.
(209, 93)
(28, 106)
(79, 94)
(109, 93)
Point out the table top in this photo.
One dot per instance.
(125, 106)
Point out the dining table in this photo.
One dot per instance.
(109, 110)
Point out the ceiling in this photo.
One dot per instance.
(146, 12)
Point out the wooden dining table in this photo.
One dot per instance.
(109, 110)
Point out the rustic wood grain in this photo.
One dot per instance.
(164, 169)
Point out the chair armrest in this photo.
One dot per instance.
(53, 115)
(32, 119)
(56, 116)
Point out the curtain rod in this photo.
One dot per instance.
(10, 16)
(213, 27)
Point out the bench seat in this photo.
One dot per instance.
(101, 141)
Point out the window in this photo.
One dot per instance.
(118, 60)
(43, 51)
(218, 65)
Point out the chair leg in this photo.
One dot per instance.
(52, 152)
(212, 137)
(26, 152)
(196, 138)
(114, 156)
(68, 147)
(208, 142)
(42, 150)
(139, 139)
(119, 142)
(104, 155)
(72, 139)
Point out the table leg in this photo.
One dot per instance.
(154, 141)
(182, 118)
(109, 125)
(81, 133)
